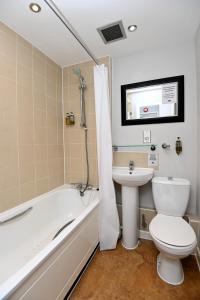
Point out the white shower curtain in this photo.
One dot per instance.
(109, 220)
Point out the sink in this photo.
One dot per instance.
(130, 182)
(137, 177)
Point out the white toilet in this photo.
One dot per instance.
(172, 235)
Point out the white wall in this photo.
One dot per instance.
(141, 66)
(197, 46)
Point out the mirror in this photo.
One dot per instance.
(154, 101)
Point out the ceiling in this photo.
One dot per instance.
(160, 24)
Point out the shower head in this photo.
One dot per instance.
(77, 72)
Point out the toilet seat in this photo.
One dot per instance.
(174, 231)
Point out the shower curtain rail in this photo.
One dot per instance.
(67, 24)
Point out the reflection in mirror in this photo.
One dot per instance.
(149, 102)
(153, 101)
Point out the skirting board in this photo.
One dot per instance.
(145, 235)
(197, 255)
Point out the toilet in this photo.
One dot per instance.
(172, 235)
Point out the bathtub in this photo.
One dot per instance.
(36, 265)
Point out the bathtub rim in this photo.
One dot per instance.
(14, 281)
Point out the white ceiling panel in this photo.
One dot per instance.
(160, 23)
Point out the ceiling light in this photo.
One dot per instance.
(132, 28)
(35, 7)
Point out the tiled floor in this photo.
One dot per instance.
(122, 274)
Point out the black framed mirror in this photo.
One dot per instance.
(153, 101)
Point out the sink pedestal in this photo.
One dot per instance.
(130, 180)
(130, 217)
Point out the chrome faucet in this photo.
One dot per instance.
(131, 165)
(79, 186)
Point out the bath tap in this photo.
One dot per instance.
(79, 186)
(131, 165)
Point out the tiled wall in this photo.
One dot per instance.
(121, 159)
(140, 159)
(75, 166)
(31, 143)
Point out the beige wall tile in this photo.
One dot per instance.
(31, 117)
(26, 135)
(91, 121)
(53, 182)
(38, 62)
(51, 70)
(28, 191)
(92, 150)
(40, 136)
(40, 152)
(24, 53)
(9, 198)
(52, 151)
(52, 137)
(7, 68)
(7, 94)
(39, 100)
(60, 136)
(31, 121)
(51, 89)
(40, 118)
(7, 42)
(9, 177)
(24, 77)
(76, 150)
(8, 155)
(123, 158)
(27, 172)
(25, 100)
(52, 119)
(26, 154)
(39, 84)
(41, 169)
(76, 177)
(42, 186)
(8, 127)
(75, 167)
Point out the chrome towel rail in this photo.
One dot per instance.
(16, 215)
(62, 228)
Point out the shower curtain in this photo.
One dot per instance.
(109, 220)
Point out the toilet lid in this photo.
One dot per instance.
(172, 230)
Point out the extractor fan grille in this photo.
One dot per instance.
(112, 32)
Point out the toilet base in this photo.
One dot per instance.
(170, 270)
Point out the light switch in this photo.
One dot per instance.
(147, 136)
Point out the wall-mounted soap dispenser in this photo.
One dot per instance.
(178, 145)
(70, 118)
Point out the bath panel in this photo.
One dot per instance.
(39, 266)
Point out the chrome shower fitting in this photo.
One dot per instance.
(82, 88)
(83, 125)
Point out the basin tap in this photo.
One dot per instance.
(131, 165)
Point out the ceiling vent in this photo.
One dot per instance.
(112, 32)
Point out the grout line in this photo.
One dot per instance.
(47, 130)
(33, 106)
(18, 144)
(63, 118)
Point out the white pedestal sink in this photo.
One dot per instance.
(130, 181)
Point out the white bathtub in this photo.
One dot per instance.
(32, 265)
